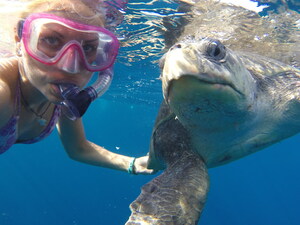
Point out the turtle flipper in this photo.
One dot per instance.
(176, 197)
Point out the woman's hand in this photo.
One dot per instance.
(140, 166)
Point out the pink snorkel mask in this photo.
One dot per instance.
(71, 47)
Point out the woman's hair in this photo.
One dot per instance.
(73, 9)
(108, 13)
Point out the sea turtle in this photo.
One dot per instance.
(220, 104)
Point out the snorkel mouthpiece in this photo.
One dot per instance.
(76, 101)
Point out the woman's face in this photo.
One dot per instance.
(47, 78)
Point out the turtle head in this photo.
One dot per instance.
(203, 80)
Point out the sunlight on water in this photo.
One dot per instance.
(148, 22)
(251, 5)
(142, 30)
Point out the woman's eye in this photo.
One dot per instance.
(88, 48)
(54, 41)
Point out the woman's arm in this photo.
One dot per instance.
(79, 148)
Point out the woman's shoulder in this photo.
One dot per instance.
(8, 82)
(7, 66)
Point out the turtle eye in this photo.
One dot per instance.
(216, 50)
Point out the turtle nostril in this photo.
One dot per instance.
(178, 46)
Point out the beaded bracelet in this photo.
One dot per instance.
(130, 169)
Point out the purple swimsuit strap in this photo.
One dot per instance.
(49, 128)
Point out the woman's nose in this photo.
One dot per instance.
(71, 61)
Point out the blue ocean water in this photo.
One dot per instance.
(40, 185)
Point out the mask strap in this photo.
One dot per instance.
(20, 26)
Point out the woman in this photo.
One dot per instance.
(59, 45)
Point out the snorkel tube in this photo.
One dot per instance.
(76, 101)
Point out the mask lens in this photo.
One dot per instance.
(48, 39)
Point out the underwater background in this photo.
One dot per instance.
(40, 185)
